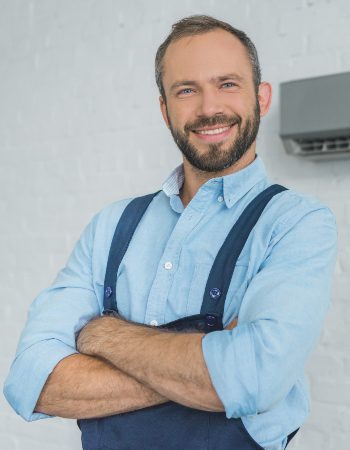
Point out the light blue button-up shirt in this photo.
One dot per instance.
(280, 291)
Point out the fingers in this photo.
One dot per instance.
(232, 324)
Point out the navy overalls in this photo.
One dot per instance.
(171, 426)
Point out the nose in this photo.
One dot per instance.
(209, 103)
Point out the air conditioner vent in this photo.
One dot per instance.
(322, 149)
(337, 144)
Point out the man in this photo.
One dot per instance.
(179, 385)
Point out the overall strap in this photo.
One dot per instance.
(123, 234)
(221, 272)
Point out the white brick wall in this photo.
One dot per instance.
(80, 128)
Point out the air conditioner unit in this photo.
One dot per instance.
(315, 116)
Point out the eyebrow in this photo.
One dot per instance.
(232, 76)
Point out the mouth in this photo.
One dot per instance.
(214, 133)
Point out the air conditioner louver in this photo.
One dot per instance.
(329, 148)
(338, 144)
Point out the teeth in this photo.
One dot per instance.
(216, 131)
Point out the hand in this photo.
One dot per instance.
(232, 324)
(90, 336)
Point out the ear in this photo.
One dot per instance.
(164, 111)
(264, 97)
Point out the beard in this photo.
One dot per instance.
(216, 159)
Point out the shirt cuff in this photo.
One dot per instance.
(29, 373)
(229, 356)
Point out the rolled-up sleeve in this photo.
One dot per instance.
(255, 365)
(54, 318)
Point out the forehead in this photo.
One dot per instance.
(205, 56)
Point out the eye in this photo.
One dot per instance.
(185, 91)
(229, 84)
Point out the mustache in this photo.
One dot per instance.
(212, 121)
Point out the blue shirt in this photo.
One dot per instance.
(280, 292)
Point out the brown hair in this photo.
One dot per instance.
(200, 24)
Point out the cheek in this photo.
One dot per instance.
(178, 117)
(176, 120)
(241, 106)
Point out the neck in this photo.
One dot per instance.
(195, 178)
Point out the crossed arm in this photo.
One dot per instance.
(125, 366)
(248, 366)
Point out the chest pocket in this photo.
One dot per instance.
(234, 296)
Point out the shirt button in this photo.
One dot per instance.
(220, 198)
(154, 323)
(168, 265)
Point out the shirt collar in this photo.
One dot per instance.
(237, 184)
(233, 186)
(174, 182)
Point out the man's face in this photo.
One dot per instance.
(211, 105)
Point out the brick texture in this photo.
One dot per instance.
(80, 127)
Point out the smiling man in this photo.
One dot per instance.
(212, 101)
(184, 318)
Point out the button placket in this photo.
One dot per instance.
(158, 297)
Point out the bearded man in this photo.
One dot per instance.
(183, 319)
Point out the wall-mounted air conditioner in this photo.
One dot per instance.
(315, 116)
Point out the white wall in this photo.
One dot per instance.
(80, 128)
